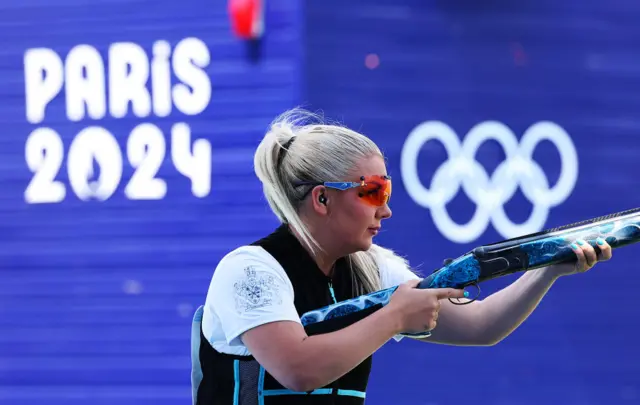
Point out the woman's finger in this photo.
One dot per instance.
(580, 259)
(590, 256)
(605, 250)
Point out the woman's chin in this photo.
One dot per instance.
(366, 243)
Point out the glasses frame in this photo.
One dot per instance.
(340, 185)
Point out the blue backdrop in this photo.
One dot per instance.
(126, 172)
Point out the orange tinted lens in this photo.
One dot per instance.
(376, 190)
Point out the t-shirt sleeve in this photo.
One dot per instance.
(249, 289)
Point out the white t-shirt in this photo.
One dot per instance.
(250, 288)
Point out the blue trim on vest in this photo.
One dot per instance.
(333, 295)
(320, 391)
(352, 393)
(236, 382)
(261, 386)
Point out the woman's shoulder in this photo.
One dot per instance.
(247, 260)
(249, 254)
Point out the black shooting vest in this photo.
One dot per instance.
(240, 380)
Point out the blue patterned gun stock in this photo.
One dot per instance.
(499, 259)
(459, 273)
(346, 307)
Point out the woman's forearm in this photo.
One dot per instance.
(501, 313)
(321, 359)
(486, 322)
(489, 321)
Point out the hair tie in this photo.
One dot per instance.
(288, 143)
(286, 149)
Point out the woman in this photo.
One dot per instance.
(254, 349)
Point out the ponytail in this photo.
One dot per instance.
(270, 167)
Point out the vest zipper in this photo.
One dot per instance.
(333, 295)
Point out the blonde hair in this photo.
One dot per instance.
(321, 151)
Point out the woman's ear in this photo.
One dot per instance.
(320, 200)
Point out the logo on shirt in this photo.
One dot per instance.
(256, 290)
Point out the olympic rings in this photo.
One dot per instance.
(489, 193)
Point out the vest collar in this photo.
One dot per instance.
(297, 257)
